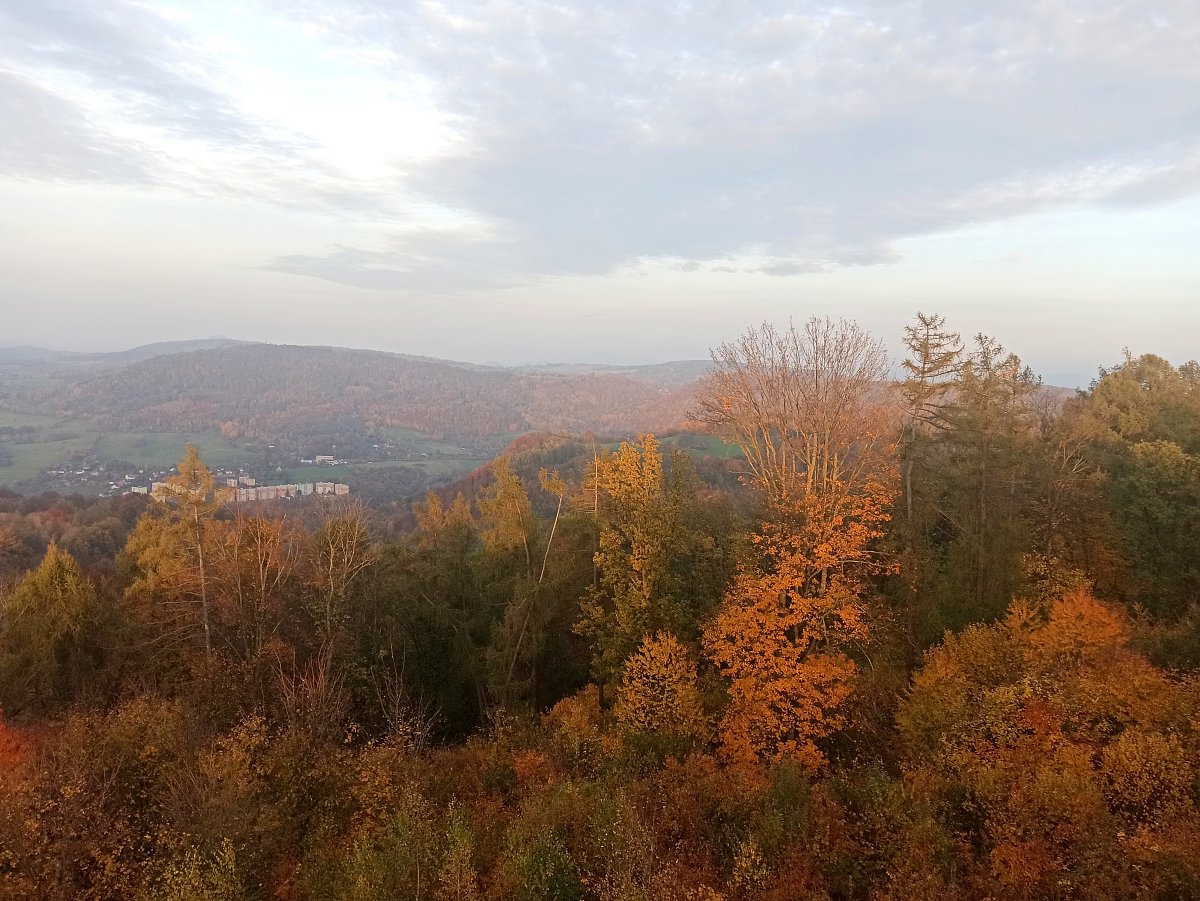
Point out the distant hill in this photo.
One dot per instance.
(282, 391)
(46, 357)
(25, 355)
(661, 375)
(407, 422)
(158, 349)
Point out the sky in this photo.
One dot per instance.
(618, 182)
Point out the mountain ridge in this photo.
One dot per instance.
(274, 390)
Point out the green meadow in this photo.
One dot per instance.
(162, 449)
(60, 443)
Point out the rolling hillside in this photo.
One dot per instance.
(76, 422)
(280, 391)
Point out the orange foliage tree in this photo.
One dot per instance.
(1060, 754)
(782, 633)
(808, 409)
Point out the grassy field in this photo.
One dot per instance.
(700, 445)
(27, 460)
(58, 440)
(160, 450)
(420, 443)
(696, 444)
(451, 468)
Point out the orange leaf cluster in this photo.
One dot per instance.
(781, 634)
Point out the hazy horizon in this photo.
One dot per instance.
(1056, 379)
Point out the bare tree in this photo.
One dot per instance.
(254, 564)
(339, 551)
(808, 406)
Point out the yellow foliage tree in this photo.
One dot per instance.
(507, 515)
(658, 693)
(642, 539)
(171, 602)
(44, 635)
(172, 553)
(439, 525)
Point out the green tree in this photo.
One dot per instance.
(421, 625)
(533, 585)
(1142, 421)
(1146, 399)
(508, 528)
(980, 469)
(1157, 495)
(49, 641)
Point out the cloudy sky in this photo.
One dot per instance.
(624, 181)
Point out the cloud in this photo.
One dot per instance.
(776, 137)
(810, 135)
(54, 140)
(792, 267)
(117, 91)
(428, 264)
(136, 57)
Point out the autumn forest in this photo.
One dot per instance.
(918, 631)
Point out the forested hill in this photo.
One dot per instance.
(46, 357)
(269, 391)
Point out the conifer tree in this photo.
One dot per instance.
(169, 600)
(48, 636)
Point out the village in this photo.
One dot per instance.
(240, 487)
(244, 489)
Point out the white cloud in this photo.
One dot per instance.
(815, 136)
(491, 143)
